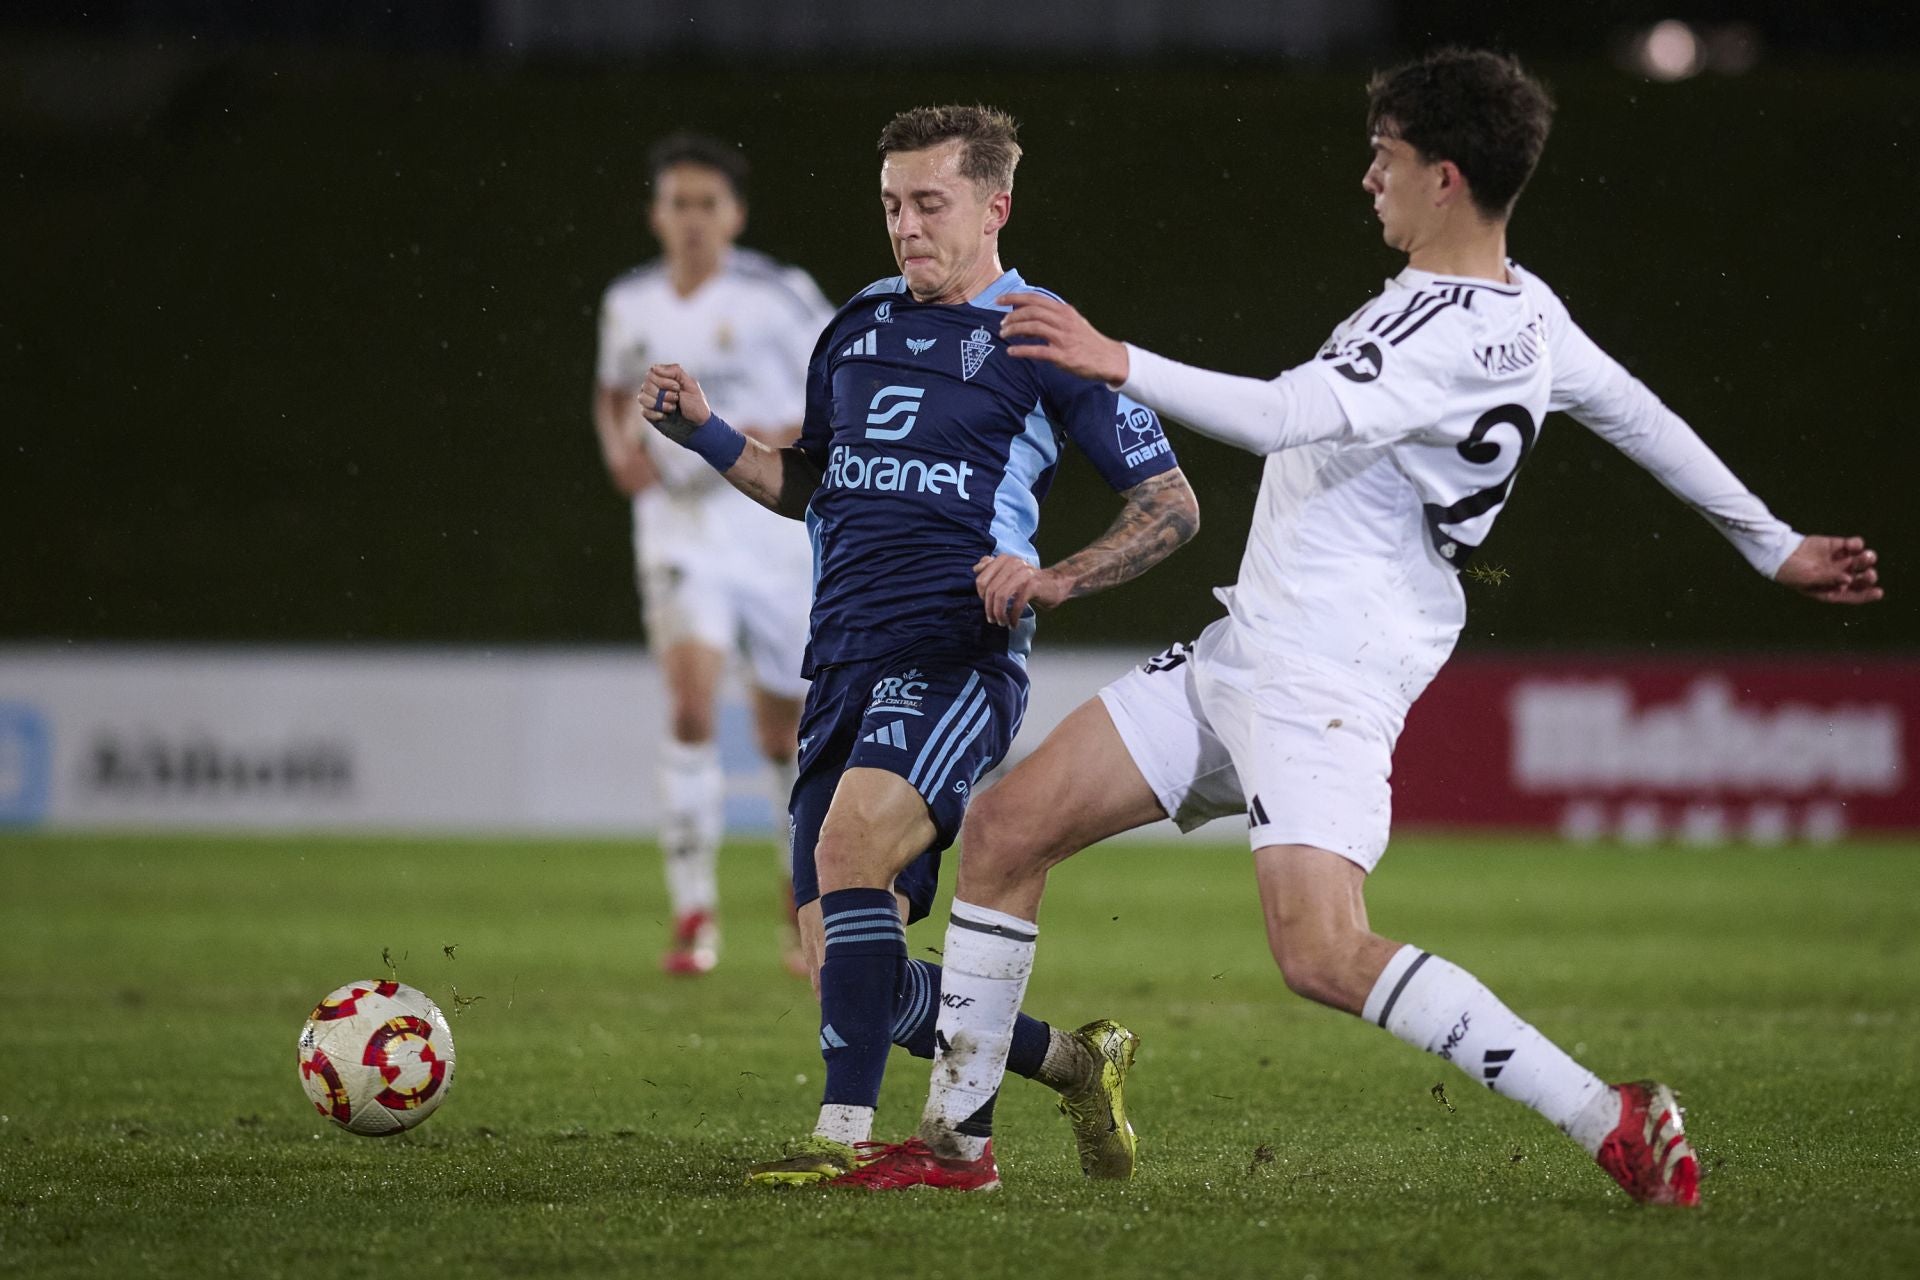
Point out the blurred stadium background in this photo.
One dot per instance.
(304, 522)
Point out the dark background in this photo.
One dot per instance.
(297, 314)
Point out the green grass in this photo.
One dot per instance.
(151, 1121)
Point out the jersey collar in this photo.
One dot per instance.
(988, 299)
(1414, 278)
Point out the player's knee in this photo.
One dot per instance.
(996, 843)
(692, 721)
(849, 854)
(838, 851)
(776, 745)
(777, 735)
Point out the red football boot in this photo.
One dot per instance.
(913, 1164)
(1648, 1153)
(696, 945)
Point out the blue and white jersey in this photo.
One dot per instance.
(935, 449)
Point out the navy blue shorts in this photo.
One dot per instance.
(939, 723)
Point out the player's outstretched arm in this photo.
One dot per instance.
(1616, 406)
(1833, 570)
(1159, 515)
(1254, 414)
(782, 480)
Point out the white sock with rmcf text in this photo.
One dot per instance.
(1435, 1005)
(984, 968)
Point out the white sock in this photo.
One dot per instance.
(840, 1122)
(780, 779)
(1435, 1005)
(983, 978)
(693, 790)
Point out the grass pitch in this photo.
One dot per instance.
(151, 1121)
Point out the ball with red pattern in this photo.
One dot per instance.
(376, 1058)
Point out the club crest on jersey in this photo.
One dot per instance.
(883, 314)
(920, 346)
(1357, 359)
(974, 352)
(1139, 434)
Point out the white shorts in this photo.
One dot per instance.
(759, 610)
(1223, 728)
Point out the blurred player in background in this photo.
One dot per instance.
(920, 471)
(717, 572)
(1388, 457)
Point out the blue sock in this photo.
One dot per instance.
(1029, 1049)
(866, 950)
(917, 1008)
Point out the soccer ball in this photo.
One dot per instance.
(376, 1058)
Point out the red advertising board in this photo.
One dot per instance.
(1698, 749)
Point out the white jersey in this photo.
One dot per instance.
(1393, 452)
(747, 334)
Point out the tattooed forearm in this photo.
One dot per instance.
(1160, 514)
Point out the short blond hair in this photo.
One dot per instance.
(990, 138)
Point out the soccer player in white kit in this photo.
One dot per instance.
(717, 571)
(1388, 457)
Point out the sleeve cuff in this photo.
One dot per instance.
(1768, 552)
(1143, 366)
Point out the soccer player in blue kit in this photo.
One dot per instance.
(920, 467)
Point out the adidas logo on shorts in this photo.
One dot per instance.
(892, 735)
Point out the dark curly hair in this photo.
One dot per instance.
(698, 148)
(991, 138)
(1475, 108)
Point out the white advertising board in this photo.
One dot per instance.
(393, 740)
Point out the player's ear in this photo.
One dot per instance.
(1452, 185)
(739, 220)
(999, 209)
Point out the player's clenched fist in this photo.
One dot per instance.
(1008, 584)
(671, 399)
